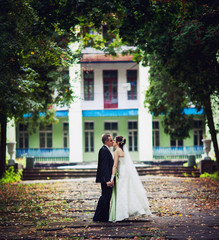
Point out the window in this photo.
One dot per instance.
(89, 136)
(110, 89)
(107, 34)
(132, 79)
(46, 136)
(133, 135)
(65, 135)
(65, 77)
(111, 128)
(198, 132)
(176, 143)
(88, 85)
(23, 136)
(156, 133)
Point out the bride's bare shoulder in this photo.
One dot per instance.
(119, 152)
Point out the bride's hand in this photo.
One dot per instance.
(112, 183)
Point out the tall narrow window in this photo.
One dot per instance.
(176, 143)
(65, 79)
(65, 135)
(133, 136)
(46, 136)
(132, 79)
(23, 136)
(156, 134)
(88, 85)
(198, 132)
(106, 33)
(89, 136)
(110, 89)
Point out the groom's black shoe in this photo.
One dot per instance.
(99, 220)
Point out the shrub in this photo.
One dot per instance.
(213, 176)
(11, 176)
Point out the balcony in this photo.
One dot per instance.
(176, 153)
(62, 154)
(42, 155)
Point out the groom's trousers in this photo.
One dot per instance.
(103, 206)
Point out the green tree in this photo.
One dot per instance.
(188, 52)
(165, 97)
(181, 35)
(34, 50)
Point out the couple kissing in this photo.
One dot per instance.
(123, 195)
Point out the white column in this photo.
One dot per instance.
(144, 119)
(75, 115)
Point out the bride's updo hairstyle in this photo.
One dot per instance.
(120, 140)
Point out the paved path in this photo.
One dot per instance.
(183, 208)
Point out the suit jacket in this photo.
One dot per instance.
(105, 165)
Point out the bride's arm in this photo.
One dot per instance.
(116, 160)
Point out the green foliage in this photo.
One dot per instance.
(177, 39)
(185, 174)
(35, 52)
(214, 176)
(34, 56)
(166, 97)
(11, 176)
(181, 36)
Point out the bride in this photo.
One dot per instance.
(129, 196)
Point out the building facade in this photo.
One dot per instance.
(110, 100)
(110, 94)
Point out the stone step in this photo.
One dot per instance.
(53, 173)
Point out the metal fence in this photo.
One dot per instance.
(48, 154)
(62, 154)
(176, 153)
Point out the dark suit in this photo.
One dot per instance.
(104, 172)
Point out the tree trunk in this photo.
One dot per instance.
(211, 126)
(3, 146)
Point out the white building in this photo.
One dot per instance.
(111, 93)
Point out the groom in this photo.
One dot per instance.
(104, 172)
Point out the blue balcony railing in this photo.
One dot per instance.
(62, 154)
(47, 154)
(168, 153)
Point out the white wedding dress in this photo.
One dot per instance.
(129, 197)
